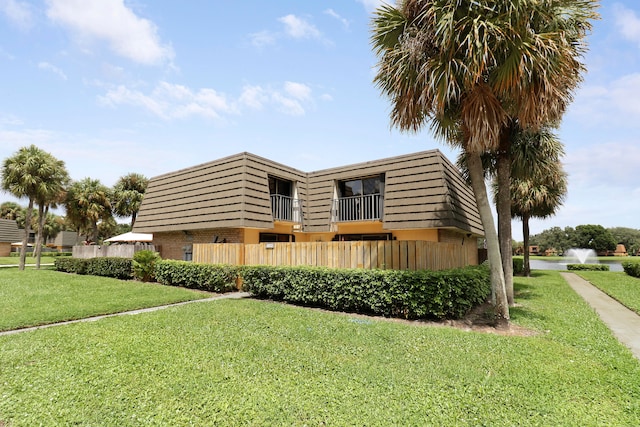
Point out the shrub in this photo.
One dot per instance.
(391, 293)
(70, 265)
(518, 265)
(144, 264)
(632, 268)
(119, 268)
(206, 277)
(587, 267)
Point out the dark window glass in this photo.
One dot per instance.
(360, 187)
(280, 187)
(275, 237)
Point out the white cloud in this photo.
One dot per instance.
(335, 15)
(627, 23)
(111, 21)
(53, 69)
(612, 163)
(171, 101)
(254, 97)
(370, 5)
(19, 13)
(263, 38)
(616, 102)
(298, 28)
(292, 99)
(298, 90)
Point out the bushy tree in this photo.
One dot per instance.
(34, 174)
(128, 194)
(594, 237)
(88, 203)
(629, 237)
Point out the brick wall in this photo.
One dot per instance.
(171, 245)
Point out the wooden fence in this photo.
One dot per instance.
(397, 255)
(120, 251)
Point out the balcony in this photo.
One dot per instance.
(285, 208)
(358, 208)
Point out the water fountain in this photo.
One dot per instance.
(583, 255)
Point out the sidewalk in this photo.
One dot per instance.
(230, 295)
(624, 323)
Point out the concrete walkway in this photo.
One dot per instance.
(624, 323)
(230, 295)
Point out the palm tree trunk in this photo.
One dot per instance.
(525, 235)
(38, 245)
(503, 207)
(498, 291)
(27, 231)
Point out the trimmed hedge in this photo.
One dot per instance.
(70, 265)
(205, 277)
(518, 265)
(632, 268)
(587, 267)
(391, 293)
(119, 268)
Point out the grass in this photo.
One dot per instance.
(14, 260)
(618, 285)
(32, 297)
(256, 363)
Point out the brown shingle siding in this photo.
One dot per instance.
(422, 190)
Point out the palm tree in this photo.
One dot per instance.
(474, 70)
(50, 194)
(88, 202)
(538, 181)
(35, 174)
(12, 210)
(128, 194)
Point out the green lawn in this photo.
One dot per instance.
(14, 260)
(32, 297)
(255, 363)
(618, 285)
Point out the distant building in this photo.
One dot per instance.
(9, 233)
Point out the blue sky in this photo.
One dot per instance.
(112, 87)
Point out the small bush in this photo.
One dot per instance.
(632, 268)
(205, 277)
(70, 265)
(119, 268)
(144, 265)
(391, 293)
(587, 267)
(518, 265)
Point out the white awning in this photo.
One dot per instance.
(131, 237)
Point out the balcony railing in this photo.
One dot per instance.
(285, 208)
(358, 208)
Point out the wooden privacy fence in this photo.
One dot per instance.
(120, 251)
(396, 255)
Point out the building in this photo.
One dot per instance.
(248, 199)
(9, 233)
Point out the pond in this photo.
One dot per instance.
(539, 264)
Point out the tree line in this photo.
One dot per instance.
(90, 206)
(588, 236)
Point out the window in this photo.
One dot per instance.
(280, 187)
(276, 237)
(359, 199)
(362, 237)
(283, 205)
